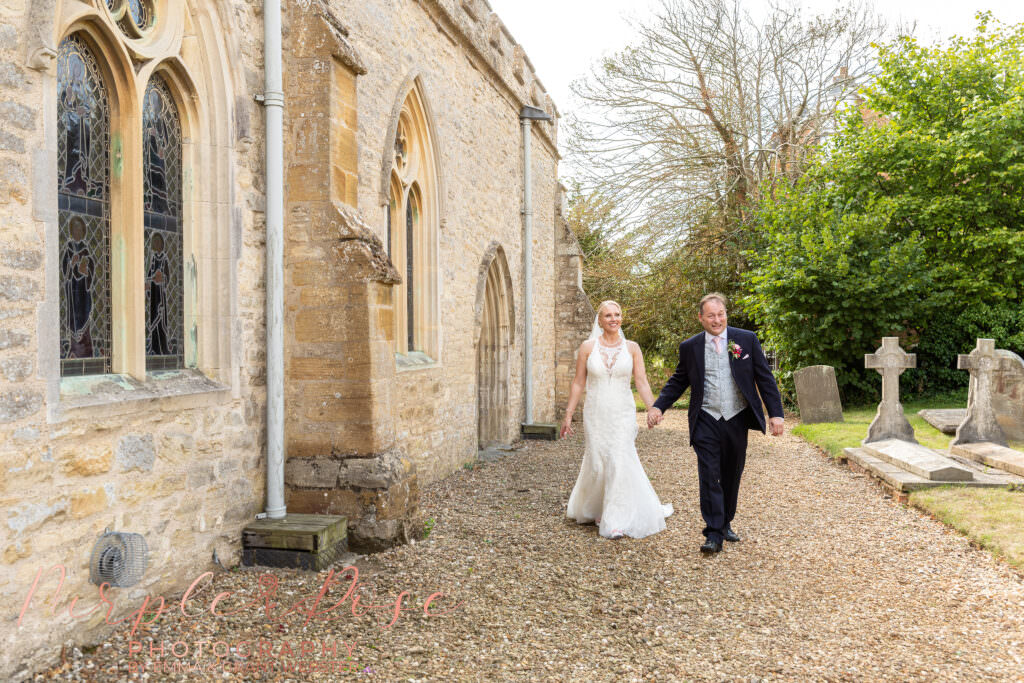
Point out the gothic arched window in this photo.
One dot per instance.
(83, 203)
(161, 177)
(411, 214)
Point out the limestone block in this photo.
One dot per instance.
(200, 476)
(13, 339)
(29, 516)
(10, 142)
(88, 502)
(17, 551)
(17, 405)
(319, 472)
(380, 472)
(87, 459)
(328, 369)
(17, 115)
(12, 76)
(13, 181)
(136, 452)
(15, 288)
(16, 369)
(342, 502)
(361, 438)
(8, 37)
(817, 394)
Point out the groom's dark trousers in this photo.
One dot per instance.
(721, 445)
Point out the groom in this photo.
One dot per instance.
(722, 366)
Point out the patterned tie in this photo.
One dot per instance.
(715, 340)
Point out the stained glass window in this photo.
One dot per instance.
(141, 13)
(135, 17)
(83, 182)
(161, 174)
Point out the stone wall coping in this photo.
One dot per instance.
(515, 72)
(111, 392)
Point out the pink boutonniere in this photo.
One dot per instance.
(735, 349)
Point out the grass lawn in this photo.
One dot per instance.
(992, 518)
(834, 437)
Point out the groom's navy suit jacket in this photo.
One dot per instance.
(750, 371)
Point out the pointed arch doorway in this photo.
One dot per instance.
(495, 316)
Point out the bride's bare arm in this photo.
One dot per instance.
(643, 387)
(579, 383)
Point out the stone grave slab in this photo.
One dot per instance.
(946, 420)
(919, 460)
(817, 394)
(898, 479)
(902, 481)
(993, 455)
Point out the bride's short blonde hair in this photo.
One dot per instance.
(608, 302)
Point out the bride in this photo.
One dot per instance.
(612, 488)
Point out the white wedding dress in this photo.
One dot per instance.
(612, 487)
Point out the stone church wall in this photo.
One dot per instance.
(179, 456)
(177, 459)
(468, 66)
(574, 315)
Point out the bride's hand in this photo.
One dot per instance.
(567, 429)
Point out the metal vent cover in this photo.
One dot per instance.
(118, 559)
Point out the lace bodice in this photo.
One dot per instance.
(610, 363)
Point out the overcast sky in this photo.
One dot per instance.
(564, 37)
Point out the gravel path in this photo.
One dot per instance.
(832, 581)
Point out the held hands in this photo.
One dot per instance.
(654, 417)
(776, 424)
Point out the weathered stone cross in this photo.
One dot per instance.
(980, 423)
(890, 361)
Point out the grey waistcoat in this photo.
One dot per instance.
(722, 398)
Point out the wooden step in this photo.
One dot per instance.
(299, 541)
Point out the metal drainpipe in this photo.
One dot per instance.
(527, 115)
(273, 101)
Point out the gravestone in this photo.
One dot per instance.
(981, 424)
(1008, 398)
(890, 422)
(992, 455)
(817, 394)
(919, 460)
(946, 420)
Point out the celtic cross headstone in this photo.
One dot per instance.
(981, 424)
(890, 361)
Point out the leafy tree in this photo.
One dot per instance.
(912, 218)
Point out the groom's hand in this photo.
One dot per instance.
(776, 424)
(654, 417)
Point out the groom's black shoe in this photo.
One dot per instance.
(731, 536)
(711, 547)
